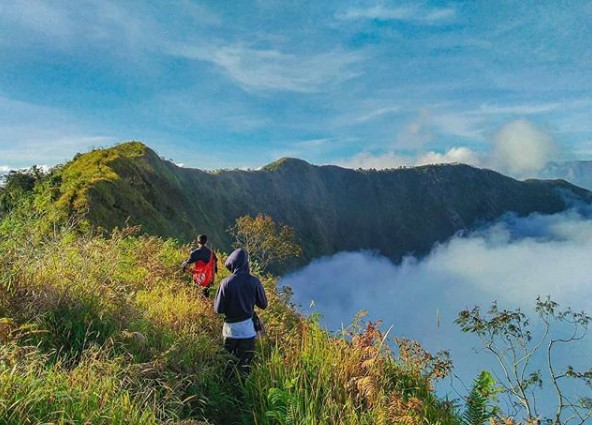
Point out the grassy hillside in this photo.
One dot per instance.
(105, 330)
(331, 209)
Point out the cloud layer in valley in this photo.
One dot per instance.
(512, 261)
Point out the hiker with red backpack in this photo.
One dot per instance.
(205, 265)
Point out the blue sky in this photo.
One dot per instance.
(226, 84)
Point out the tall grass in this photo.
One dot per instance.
(123, 297)
(106, 329)
(349, 378)
(33, 392)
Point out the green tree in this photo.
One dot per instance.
(266, 241)
(478, 408)
(518, 347)
(18, 184)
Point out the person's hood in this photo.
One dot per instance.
(238, 261)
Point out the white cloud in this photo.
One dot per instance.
(462, 155)
(583, 150)
(575, 106)
(270, 69)
(522, 149)
(370, 115)
(35, 134)
(512, 261)
(312, 143)
(473, 124)
(129, 28)
(38, 16)
(528, 109)
(432, 122)
(519, 148)
(366, 160)
(418, 132)
(363, 111)
(35, 147)
(459, 124)
(412, 13)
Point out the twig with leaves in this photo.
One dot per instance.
(507, 335)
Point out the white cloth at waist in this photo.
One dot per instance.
(239, 330)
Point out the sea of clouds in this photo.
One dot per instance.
(512, 261)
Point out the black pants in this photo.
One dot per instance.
(243, 350)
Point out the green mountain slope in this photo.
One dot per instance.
(331, 208)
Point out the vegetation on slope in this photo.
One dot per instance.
(105, 330)
(330, 208)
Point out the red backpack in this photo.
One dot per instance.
(203, 273)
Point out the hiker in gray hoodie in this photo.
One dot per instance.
(236, 298)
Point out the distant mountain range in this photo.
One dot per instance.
(332, 209)
(576, 172)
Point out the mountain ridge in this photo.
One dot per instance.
(576, 172)
(395, 212)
